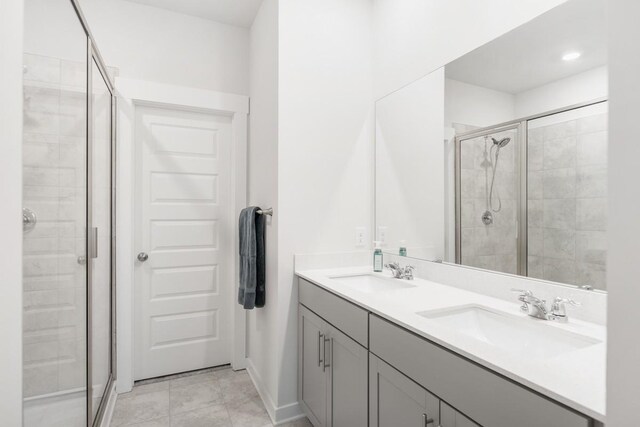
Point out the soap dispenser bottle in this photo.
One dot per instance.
(403, 248)
(377, 257)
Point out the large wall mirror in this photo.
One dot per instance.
(499, 160)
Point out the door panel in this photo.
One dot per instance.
(348, 381)
(183, 290)
(396, 401)
(313, 381)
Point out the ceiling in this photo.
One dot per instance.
(232, 12)
(531, 55)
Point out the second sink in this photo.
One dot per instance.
(525, 337)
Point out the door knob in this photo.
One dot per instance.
(143, 256)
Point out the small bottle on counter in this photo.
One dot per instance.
(403, 248)
(377, 257)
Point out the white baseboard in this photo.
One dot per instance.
(111, 405)
(288, 413)
(278, 414)
(239, 363)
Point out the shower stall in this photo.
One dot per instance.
(530, 196)
(68, 219)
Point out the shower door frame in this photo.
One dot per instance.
(94, 56)
(522, 126)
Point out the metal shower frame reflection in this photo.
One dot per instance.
(94, 57)
(521, 127)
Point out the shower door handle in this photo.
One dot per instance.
(94, 243)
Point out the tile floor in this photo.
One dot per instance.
(216, 397)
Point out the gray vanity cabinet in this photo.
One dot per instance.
(488, 398)
(396, 401)
(333, 374)
(356, 369)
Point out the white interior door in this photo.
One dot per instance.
(183, 290)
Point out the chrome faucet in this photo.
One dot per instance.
(400, 272)
(559, 309)
(536, 307)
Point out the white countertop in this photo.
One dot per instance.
(576, 379)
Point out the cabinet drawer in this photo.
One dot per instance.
(347, 317)
(487, 398)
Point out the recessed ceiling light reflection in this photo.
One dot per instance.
(571, 56)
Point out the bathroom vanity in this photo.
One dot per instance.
(378, 351)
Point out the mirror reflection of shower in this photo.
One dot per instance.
(494, 154)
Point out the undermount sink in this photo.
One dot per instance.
(523, 336)
(369, 283)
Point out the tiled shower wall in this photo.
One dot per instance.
(491, 247)
(567, 201)
(54, 182)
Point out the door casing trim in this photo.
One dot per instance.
(134, 93)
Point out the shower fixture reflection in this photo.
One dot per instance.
(494, 154)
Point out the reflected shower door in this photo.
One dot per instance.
(488, 200)
(567, 196)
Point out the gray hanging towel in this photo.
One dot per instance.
(251, 292)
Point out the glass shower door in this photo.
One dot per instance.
(55, 222)
(488, 199)
(68, 189)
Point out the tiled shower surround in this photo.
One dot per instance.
(567, 201)
(54, 181)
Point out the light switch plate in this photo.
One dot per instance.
(360, 237)
(382, 235)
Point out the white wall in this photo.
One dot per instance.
(263, 189)
(11, 28)
(325, 153)
(583, 87)
(476, 105)
(624, 211)
(310, 157)
(148, 43)
(410, 167)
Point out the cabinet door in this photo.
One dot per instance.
(396, 401)
(347, 362)
(312, 378)
(449, 417)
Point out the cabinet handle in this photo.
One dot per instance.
(320, 348)
(426, 420)
(326, 365)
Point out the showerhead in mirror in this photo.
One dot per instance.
(501, 143)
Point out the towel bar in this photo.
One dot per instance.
(268, 211)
